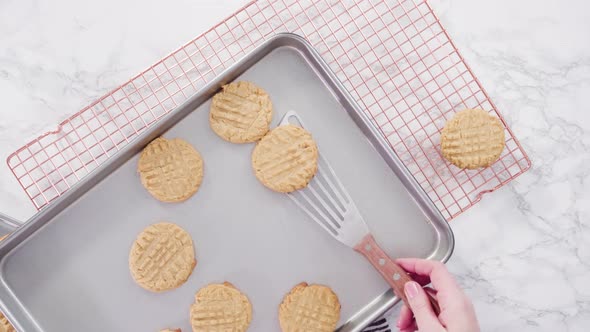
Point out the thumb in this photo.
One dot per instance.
(420, 305)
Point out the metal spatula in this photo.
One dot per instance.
(327, 202)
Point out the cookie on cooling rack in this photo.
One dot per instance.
(220, 307)
(170, 170)
(472, 139)
(162, 257)
(241, 112)
(286, 159)
(309, 308)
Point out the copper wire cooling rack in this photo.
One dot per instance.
(394, 57)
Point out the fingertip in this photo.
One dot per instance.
(412, 289)
(421, 307)
(436, 271)
(408, 264)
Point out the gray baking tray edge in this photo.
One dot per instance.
(48, 279)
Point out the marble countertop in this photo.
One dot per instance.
(522, 253)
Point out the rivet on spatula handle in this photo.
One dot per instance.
(394, 274)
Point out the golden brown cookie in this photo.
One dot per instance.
(241, 112)
(286, 159)
(171, 170)
(472, 139)
(162, 257)
(5, 325)
(220, 307)
(309, 308)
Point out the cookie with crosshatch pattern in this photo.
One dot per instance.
(170, 170)
(162, 257)
(241, 112)
(286, 159)
(309, 308)
(220, 307)
(472, 138)
(5, 325)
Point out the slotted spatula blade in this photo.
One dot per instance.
(326, 201)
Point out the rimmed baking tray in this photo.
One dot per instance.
(7, 225)
(66, 269)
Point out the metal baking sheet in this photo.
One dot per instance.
(67, 269)
(7, 225)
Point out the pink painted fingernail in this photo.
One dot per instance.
(411, 289)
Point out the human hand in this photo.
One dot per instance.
(456, 310)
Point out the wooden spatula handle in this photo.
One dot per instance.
(394, 274)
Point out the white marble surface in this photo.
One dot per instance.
(522, 254)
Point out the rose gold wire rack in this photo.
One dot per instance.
(393, 56)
